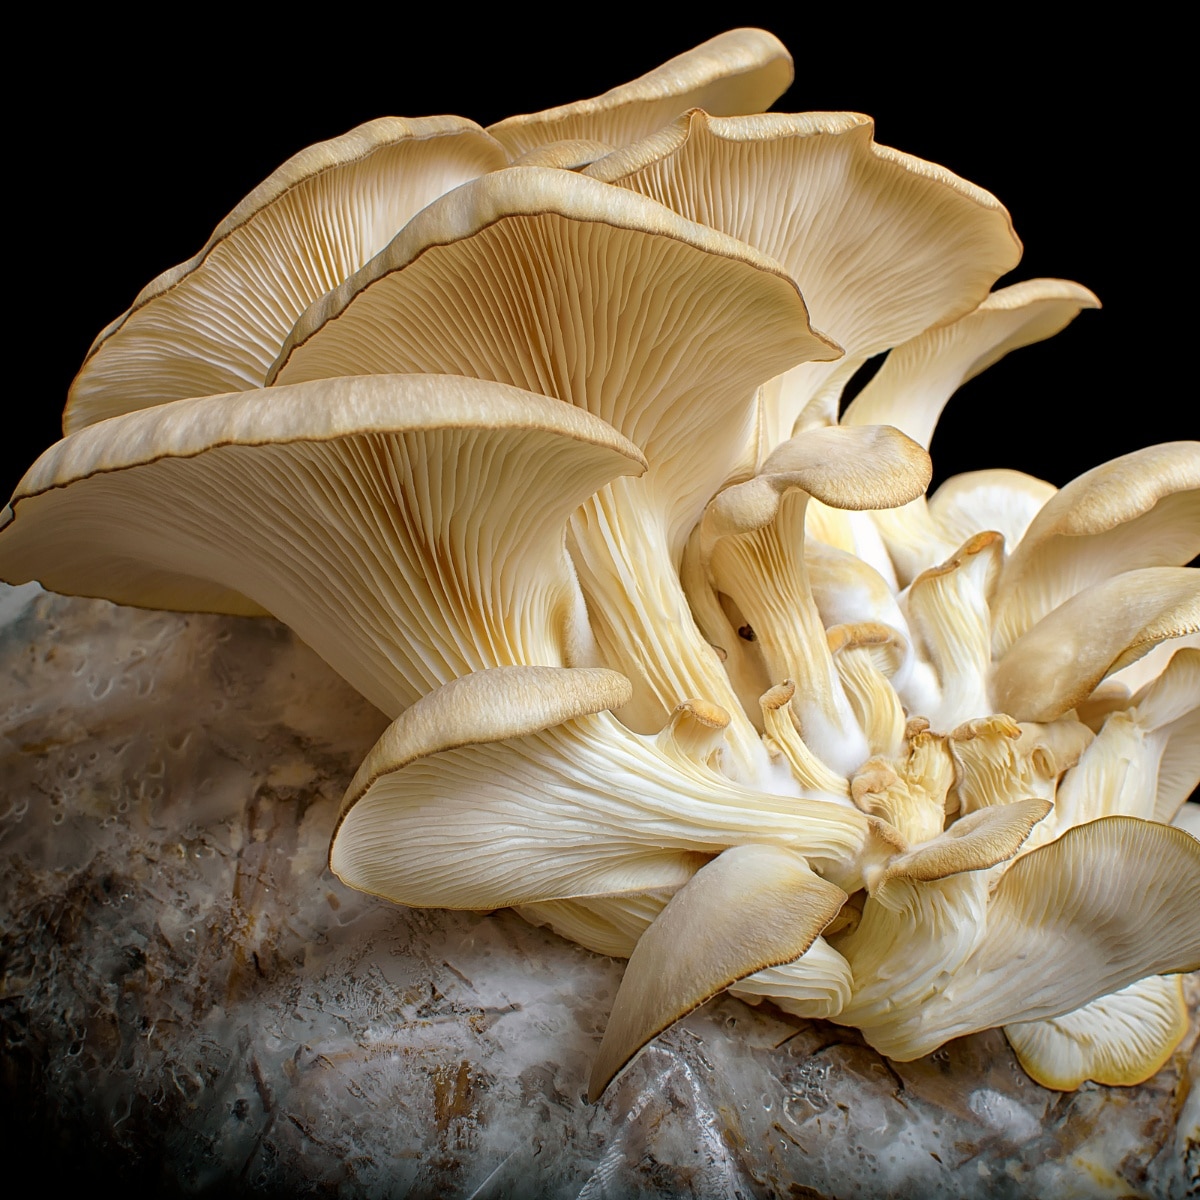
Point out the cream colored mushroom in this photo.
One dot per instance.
(949, 614)
(973, 843)
(615, 304)
(1137, 511)
(1144, 763)
(361, 511)
(1109, 903)
(215, 323)
(912, 387)
(910, 390)
(868, 655)
(850, 592)
(482, 433)
(750, 548)
(998, 761)
(999, 499)
(909, 790)
(815, 986)
(753, 907)
(1118, 1040)
(1057, 663)
(742, 71)
(580, 806)
(882, 245)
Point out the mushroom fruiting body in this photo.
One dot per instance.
(532, 433)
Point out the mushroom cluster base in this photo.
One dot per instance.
(188, 1002)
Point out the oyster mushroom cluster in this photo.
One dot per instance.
(532, 433)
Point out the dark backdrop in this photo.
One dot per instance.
(128, 153)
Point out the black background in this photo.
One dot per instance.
(134, 143)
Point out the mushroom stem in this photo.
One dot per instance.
(763, 572)
(645, 629)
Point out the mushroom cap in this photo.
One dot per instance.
(882, 244)
(1108, 903)
(919, 377)
(487, 706)
(976, 842)
(562, 285)
(509, 771)
(998, 498)
(910, 391)
(1057, 663)
(1145, 759)
(215, 323)
(948, 612)
(1118, 1040)
(361, 511)
(1136, 511)
(750, 908)
(743, 70)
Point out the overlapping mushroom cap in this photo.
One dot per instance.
(532, 433)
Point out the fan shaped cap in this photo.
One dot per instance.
(741, 71)
(215, 323)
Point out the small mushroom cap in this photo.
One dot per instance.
(783, 737)
(1139, 510)
(744, 70)
(948, 612)
(868, 656)
(997, 761)
(750, 908)
(1145, 760)
(885, 643)
(486, 706)
(918, 378)
(1117, 1040)
(863, 468)
(1058, 663)
(976, 842)
(696, 731)
(908, 791)
(872, 466)
(215, 323)
(999, 499)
